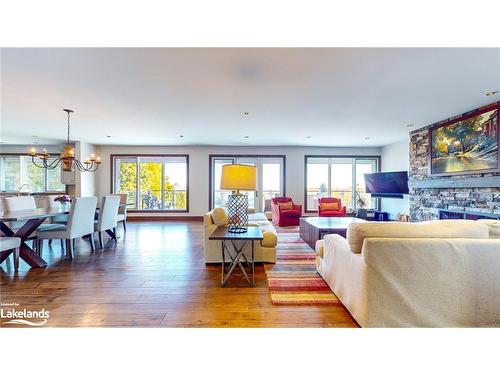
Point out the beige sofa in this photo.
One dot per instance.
(430, 274)
(264, 250)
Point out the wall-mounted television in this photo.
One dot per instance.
(387, 184)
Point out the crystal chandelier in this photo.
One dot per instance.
(67, 157)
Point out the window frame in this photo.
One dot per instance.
(112, 158)
(211, 157)
(45, 174)
(354, 158)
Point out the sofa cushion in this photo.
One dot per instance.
(285, 205)
(220, 217)
(293, 213)
(493, 227)
(357, 232)
(334, 206)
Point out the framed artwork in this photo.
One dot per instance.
(467, 144)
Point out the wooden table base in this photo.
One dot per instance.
(26, 253)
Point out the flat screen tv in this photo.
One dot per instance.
(387, 184)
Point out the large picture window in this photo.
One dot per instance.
(340, 177)
(152, 182)
(17, 171)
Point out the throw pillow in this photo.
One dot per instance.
(220, 217)
(334, 206)
(286, 205)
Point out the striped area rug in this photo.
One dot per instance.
(293, 280)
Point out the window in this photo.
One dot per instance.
(339, 177)
(10, 167)
(152, 182)
(18, 171)
(270, 180)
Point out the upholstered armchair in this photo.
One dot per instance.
(285, 212)
(331, 207)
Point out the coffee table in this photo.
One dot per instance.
(313, 229)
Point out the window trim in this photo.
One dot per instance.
(112, 180)
(45, 176)
(215, 156)
(354, 159)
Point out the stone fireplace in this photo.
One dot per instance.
(469, 196)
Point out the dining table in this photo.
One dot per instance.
(31, 220)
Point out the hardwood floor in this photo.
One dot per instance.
(154, 276)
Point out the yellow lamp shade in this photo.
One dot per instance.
(238, 177)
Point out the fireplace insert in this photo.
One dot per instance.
(448, 214)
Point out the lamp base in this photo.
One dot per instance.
(237, 209)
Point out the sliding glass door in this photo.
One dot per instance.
(339, 177)
(271, 173)
(156, 182)
(270, 180)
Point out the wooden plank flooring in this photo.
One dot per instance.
(155, 276)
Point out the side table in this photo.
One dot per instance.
(233, 244)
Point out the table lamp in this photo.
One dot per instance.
(238, 177)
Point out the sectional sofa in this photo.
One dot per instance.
(430, 274)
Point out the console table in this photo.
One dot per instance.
(234, 244)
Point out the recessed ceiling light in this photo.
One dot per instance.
(491, 93)
(246, 113)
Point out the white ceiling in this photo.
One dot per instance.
(147, 96)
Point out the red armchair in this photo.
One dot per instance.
(284, 216)
(331, 213)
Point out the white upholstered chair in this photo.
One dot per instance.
(59, 219)
(11, 243)
(80, 224)
(52, 203)
(122, 210)
(21, 203)
(108, 216)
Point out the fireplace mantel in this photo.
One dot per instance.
(465, 182)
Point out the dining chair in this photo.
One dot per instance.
(11, 243)
(80, 224)
(52, 203)
(108, 216)
(21, 203)
(122, 210)
(59, 219)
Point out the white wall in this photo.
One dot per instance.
(199, 160)
(395, 157)
(86, 182)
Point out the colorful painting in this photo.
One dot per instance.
(468, 144)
